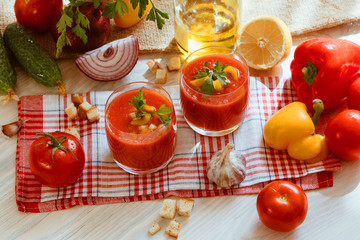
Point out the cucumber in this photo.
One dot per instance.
(32, 57)
(7, 73)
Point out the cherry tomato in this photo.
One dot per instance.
(61, 168)
(130, 18)
(37, 15)
(282, 206)
(353, 97)
(342, 135)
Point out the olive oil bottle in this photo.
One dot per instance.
(202, 23)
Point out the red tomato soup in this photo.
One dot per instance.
(225, 108)
(142, 148)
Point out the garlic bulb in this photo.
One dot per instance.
(227, 167)
(11, 129)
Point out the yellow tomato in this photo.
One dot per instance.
(130, 18)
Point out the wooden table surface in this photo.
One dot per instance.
(334, 212)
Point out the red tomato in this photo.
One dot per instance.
(353, 97)
(37, 15)
(64, 167)
(282, 206)
(342, 135)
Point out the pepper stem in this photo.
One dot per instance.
(318, 108)
(310, 72)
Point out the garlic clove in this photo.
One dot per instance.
(11, 129)
(227, 167)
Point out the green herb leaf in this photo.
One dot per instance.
(81, 19)
(81, 22)
(97, 3)
(138, 101)
(111, 8)
(163, 113)
(66, 20)
(156, 15)
(142, 6)
(208, 87)
(217, 73)
(121, 7)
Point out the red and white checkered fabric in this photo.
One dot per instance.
(104, 182)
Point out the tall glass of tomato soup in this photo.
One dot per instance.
(214, 90)
(141, 128)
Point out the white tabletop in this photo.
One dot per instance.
(334, 212)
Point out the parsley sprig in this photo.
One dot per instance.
(217, 73)
(71, 14)
(139, 102)
(119, 7)
(155, 15)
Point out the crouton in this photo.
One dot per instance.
(173, 64)
(173, 229)
(161, 76)
(77, 100)
(83, 108)
(154, 228)
(185, 207)
(71, 111)
(153, 65)
(168, 209)
(93, 114)
(73, 131)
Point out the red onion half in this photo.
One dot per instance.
(112, 61)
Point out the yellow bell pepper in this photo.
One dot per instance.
(292, 128)
(198, 82)
(230, 70)
(217, 85)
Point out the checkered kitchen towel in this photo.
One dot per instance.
(104, 182)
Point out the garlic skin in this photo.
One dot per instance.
(11, 129)
(227, 167)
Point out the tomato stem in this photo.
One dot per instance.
(284, 197)
(56, 144)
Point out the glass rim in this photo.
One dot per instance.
(144, 135)
(231, 51)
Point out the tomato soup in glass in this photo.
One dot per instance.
(218, 107)
(141, 141)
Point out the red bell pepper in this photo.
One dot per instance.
(324, 68)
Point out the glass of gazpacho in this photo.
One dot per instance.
(214, 90)
(141, 127)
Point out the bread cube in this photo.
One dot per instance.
(77, 100)
(161, 76)
(154, 228)
(185, 207)
(168, 209)
(93, 114)
(173, 64)
(153, 65)
(73, 131)
(83, 109)
(173, 229)
(71, 111)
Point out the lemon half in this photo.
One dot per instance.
(264, 41)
